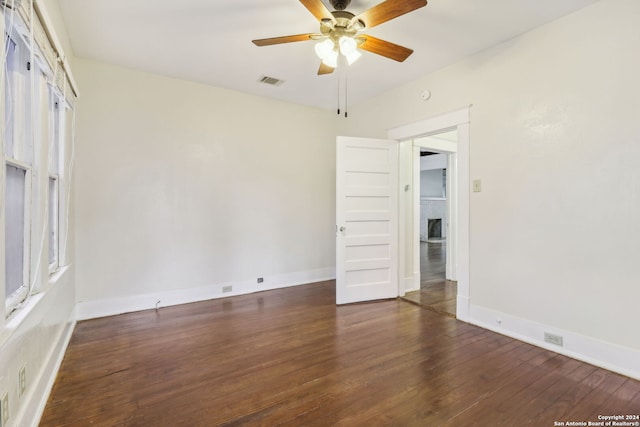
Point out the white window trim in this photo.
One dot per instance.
(55, 265)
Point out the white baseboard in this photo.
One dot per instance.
(462, 308)
(613, 357)
(409, 285)
(112, 306)
(36, 407)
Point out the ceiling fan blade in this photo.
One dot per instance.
(385, 48)
(325, 69)
(318, 9)
(283, 39)
(388, 10)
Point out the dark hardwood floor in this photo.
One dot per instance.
(435, 293)
(291, 357)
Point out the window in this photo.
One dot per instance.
(36, 89)
(16, 226)
(18, 154)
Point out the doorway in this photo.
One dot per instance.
(413, 138)
(437, 288)
(406, 277)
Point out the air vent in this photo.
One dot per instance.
(270, 81)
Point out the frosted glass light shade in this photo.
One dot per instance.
(353, 57)
(331, 59)
(347, 45)
(324, 48)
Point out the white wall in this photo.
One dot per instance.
(35, 336)
(555, 140)
(183, 189)
(431, 184)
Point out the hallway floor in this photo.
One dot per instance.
(436, 293)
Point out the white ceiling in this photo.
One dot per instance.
(209, 41)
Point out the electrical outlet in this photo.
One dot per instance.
(553, 339)
(4, 408)
(22, 380)
(260, 279)
(226, 289)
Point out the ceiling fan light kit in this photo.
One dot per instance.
(327, 50)
(339, 31)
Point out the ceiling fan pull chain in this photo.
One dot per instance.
(346, 86)
(339, 81)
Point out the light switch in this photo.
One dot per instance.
(477, 186)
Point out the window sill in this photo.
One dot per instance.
(57, 274)
(18, 316)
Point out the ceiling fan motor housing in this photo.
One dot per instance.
(340, 4)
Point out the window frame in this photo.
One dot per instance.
(53, 224)
(19, 152)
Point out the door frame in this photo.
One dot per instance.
(459, 120)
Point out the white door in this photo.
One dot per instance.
(366, 219)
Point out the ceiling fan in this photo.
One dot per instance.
(340, 31)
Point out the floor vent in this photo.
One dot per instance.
(270, 81)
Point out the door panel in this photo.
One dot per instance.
(367, 219)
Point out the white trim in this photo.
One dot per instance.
(613, 357)
(43, 15)
(451, 272)
(437, 145)
(416, 219)
(463, 229)
(405, 153)
(15, 319)
(437, 124)
(112, 306)
(46, 382)
(455, 119)
(17, 164)
(409, 284)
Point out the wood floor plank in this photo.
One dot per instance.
(562, 397)
(587, 408)
(290, 357)
(626, 401)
